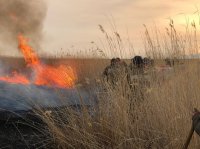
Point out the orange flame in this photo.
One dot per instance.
(30, 57)
(61, 76)
(15, 79)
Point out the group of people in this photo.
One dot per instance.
(118, 71)
(129, 80)
(135, 75)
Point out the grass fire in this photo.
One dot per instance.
(62, 76)
(131, 83)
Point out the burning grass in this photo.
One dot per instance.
(160, 118)
(61, 76)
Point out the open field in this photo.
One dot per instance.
(151, 116)
(160, 118)
(85, 68)
(135, 86)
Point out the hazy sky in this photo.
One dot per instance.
(75, 22)
(72, 24)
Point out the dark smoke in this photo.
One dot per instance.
(21, 16)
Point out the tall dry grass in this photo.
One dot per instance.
(160, 118)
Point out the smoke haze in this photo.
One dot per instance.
(21, 16)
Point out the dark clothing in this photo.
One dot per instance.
(138, 61)
(115, 74)
(109, 74)
(139, 81)
(196, 122)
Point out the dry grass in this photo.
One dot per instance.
(161, 118)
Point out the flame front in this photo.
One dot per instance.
(15, 78)
(61, 77)
(44, 75)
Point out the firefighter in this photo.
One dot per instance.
(116, 72)
(122, 74)
(108, 71)
(121, 62)
(136, 70)
(149, 70)
(195, 127)
(196, 122)
(148, 62)
(135, 78)
(123, 66)
(140, 77)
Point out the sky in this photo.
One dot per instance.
(71, 25)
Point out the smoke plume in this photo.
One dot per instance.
(21, 17)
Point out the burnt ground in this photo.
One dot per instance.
(26, 129)
(15, 133)
(20, 134)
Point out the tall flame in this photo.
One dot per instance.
(61, 76)
(30, 56)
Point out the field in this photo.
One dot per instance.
(158, 117)
(161, 119)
